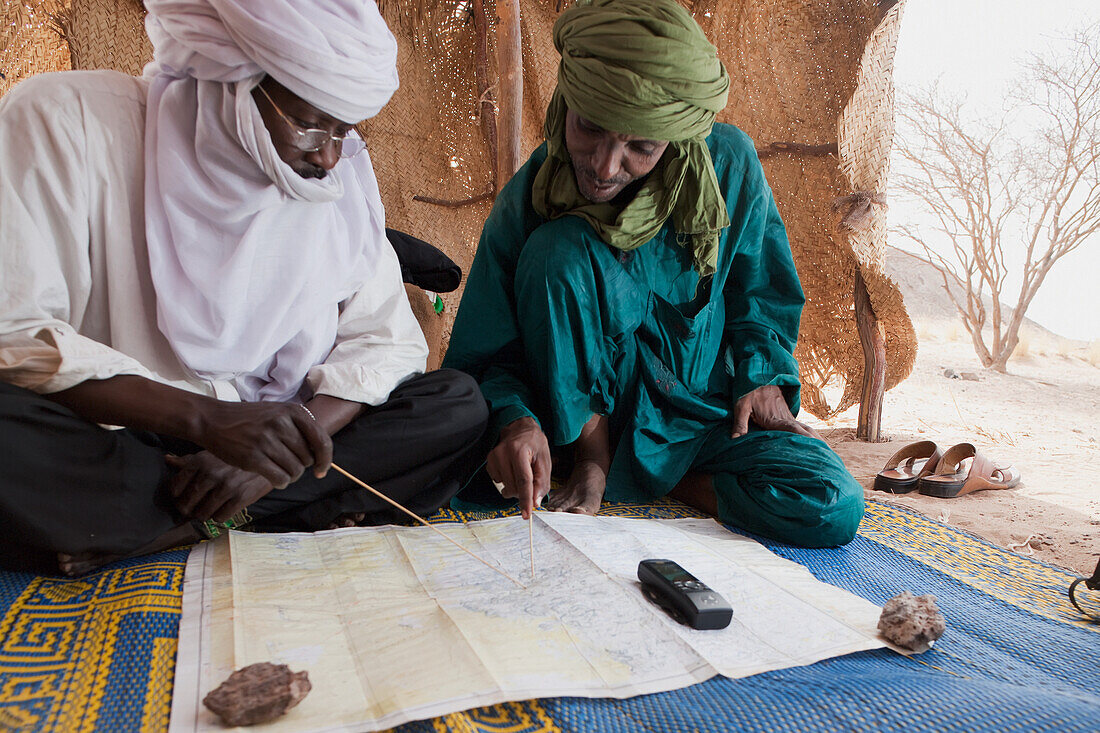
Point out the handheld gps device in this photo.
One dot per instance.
(682, 595)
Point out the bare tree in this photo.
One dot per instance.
(990, 189)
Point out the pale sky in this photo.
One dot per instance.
(973, 47)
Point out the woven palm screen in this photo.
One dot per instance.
(812, 83)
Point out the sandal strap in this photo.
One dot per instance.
(956, 454)
(912, 452)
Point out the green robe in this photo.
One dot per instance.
(557, 325)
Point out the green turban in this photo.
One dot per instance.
(639, 67)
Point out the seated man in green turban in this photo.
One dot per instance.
(633, 301)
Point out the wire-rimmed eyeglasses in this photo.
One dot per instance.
(311, 139)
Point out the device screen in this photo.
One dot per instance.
(674, 572)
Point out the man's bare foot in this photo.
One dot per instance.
(347, 520)
(81, 563)
(583, 491)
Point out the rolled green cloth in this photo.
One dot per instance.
(639, 67)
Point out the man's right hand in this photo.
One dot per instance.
(206, 487)
(521, 461)
(276, 440)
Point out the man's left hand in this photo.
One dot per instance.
(767, 408)
(206, 487)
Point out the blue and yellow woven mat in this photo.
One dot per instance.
(97, 654)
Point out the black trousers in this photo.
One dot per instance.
(67, 485)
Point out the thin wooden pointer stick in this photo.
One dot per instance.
(531, 536)
(393, 503)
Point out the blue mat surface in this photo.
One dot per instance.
(98, 653)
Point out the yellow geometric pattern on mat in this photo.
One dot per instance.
(158, 696)
(510, 717)
(58, 640)
(1015, 579)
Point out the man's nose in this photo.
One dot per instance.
(327, 157)
(608, 161)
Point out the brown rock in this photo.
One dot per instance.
(912, 622)
(258, 693)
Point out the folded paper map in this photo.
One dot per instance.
(396, 624)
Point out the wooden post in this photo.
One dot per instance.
(486, 112)
(872, 337)
(486, 103)
(510, 71)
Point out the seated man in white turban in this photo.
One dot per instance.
(199, 303)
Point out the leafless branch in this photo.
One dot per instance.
(989, 187)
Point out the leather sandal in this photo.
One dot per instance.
(907, 466)
(963, 470)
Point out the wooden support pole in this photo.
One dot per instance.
(872, 337)
(510, 71)
(486, 103)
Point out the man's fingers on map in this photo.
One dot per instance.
(507, 488)
(525, 479)
(541, 476)
(524, 484)
(500, 473)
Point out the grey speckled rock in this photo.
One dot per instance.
(258, 693)
(912, 622)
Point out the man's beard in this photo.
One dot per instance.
(620, 180)
(584, 176)
(308, 170)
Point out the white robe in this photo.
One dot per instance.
(76, 297)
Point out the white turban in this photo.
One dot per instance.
(250, 260)
(338, 55)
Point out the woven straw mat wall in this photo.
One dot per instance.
(794, 67)
(802, 71)
(29, 40)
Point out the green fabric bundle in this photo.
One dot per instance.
(639, 67)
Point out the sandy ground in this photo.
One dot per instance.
(1042, 416)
